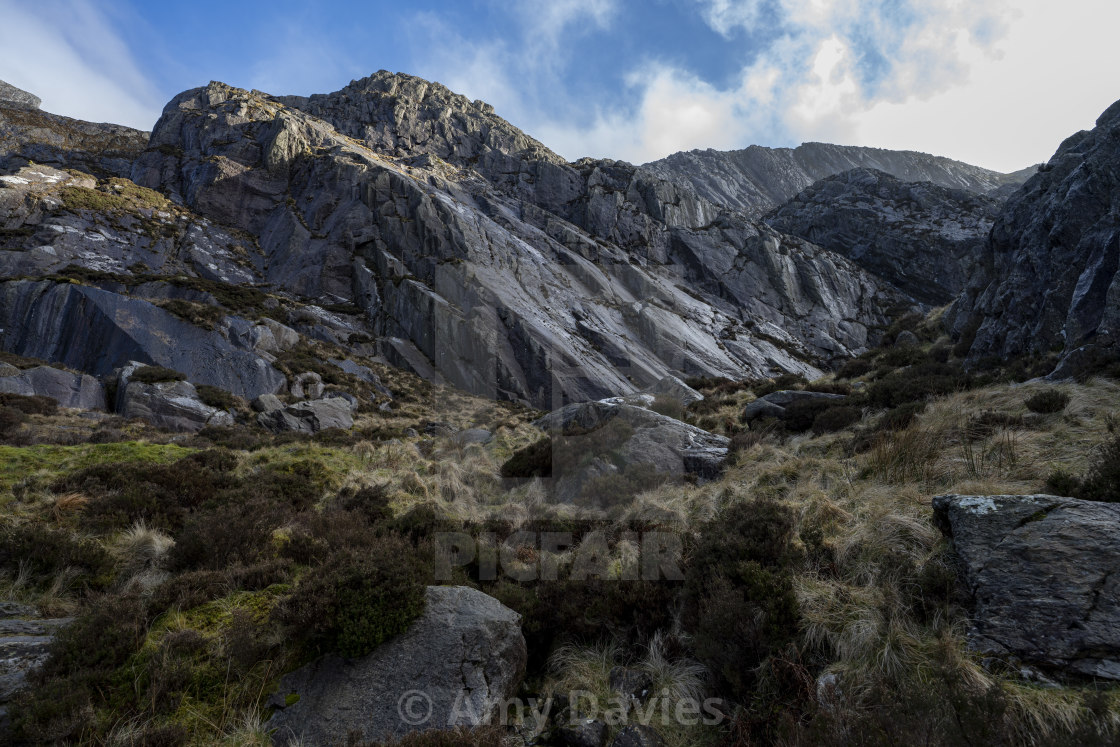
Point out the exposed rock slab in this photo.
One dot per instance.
(1045, 575)
(98, 331)
(309, 416)
(25, 639)
(464, 655)
(67, 388)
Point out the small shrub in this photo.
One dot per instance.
(901, 417)
(801, 414)
(1060, 482)
(785, 381)
(10, 420)
(1103, 481)
(1047, 402)
(33, 405)
(854, 368)
(836, 418)
(155, 375)
(213, 396)
(44, 553)
(621, 486)
(668, 405)
(358, 599)
(201, 315)
(534, 460)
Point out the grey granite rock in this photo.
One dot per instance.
(923, 238)
(308, 385)
(757, 179)
(1044, 573)
(65, 387)
(669, 446)
(98, 331)
(10, 95)
(172, 405)
(671, 386)
(309, 416)
(25, 641)
(1049, 277)
(461, 658)
(267, 403)
(479, 257)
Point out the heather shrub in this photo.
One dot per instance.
(836, 418)
(1047, 402)
(33, 405)
(357, 600)
(155, 375)
(668, 406)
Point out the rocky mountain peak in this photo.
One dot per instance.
(12, 96)
(401, 114)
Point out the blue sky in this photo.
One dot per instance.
(998, 83)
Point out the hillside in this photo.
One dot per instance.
(757, 179)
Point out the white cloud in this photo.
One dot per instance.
(67, 53)
(976, 80)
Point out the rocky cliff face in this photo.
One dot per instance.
(1049, 280)
(756, 180)
(923, 238)
(478, 255)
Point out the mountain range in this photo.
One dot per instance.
(400, 222)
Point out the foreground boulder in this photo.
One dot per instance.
(453, 667)
(67, 388)
(774, 405)
(1045, 575)
(600, 439)
(25, 640)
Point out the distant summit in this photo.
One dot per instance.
(756, 180)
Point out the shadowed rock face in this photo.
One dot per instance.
(479, 256)
(756, 180)
(1049, 279)
(1045, 575)
(923, 238)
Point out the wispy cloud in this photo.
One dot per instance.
(68, 53)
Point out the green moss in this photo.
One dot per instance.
(83, 198)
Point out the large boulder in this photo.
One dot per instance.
(98, 331)
(309, 416)
(671, 386)
(774, 405)
(170, 405)
(604, 437)
(65, 387)
(453, 667)
(1045, 575)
